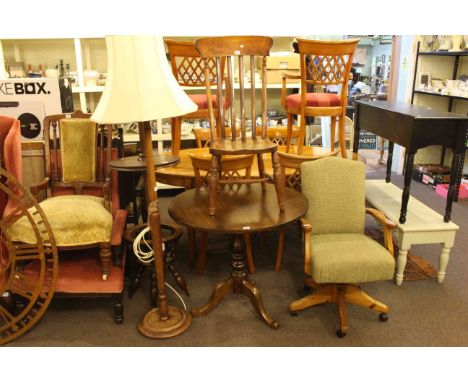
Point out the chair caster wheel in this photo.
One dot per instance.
(383, 317)
(293, 313)
(340, 333)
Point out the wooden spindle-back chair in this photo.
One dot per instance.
(323, 63)
(236, 50)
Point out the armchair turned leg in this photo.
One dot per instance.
(105, 254)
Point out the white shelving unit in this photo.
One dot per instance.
(90, 54)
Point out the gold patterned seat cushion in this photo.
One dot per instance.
(349, 258)
(74, 220)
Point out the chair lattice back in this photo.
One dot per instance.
(279, 135)
(203, 136)
(240, 53)
(326, 62)
(187, 65)
(54, 155)
(234, 167)
(293, 163)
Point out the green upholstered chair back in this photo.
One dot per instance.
(334, 188)
(78, 148)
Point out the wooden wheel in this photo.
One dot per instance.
(28, 272)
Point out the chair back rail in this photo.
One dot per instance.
(240, 52)
(326, 62)
(53, 154)
(234, 167)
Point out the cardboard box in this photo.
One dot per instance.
(283, 61)
(275, 77)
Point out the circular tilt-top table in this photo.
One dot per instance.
(138, 164)
(240, 209)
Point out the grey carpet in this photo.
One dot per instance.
(423, 313)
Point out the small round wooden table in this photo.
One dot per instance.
(137, 164)
(240, 209)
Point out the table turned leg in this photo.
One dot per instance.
(452, 185)
(443, 261)
(237, 283)
(389, 162)
(401, 265)
(213, 185)
(406, 187)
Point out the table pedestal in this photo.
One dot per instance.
(237, 283)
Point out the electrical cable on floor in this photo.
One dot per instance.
(147, 256)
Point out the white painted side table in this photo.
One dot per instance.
(423, 225)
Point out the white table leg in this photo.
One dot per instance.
(444, 258)
(401, 265)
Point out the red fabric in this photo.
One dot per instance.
(202, 100)
(10, 159)
(314, 100)
(81, 272)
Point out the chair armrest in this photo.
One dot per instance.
(118, 227)
(38, 187)
(284, 77)
(387, 225)
(381, 218)
(290, 76)
(306, 228)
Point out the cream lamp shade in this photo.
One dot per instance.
(140, 85)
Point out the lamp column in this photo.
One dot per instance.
(164, 321)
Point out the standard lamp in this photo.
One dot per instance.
(140, 88)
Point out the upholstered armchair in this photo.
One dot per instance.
(81, 196)
(337, 254)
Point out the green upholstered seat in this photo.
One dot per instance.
(74, 220)
(349, 258)
(340, 252)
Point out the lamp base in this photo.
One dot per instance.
(152, 326)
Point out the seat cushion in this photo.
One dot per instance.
(349, 258)
(74, 220)
(314, 100)
(202, 100)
